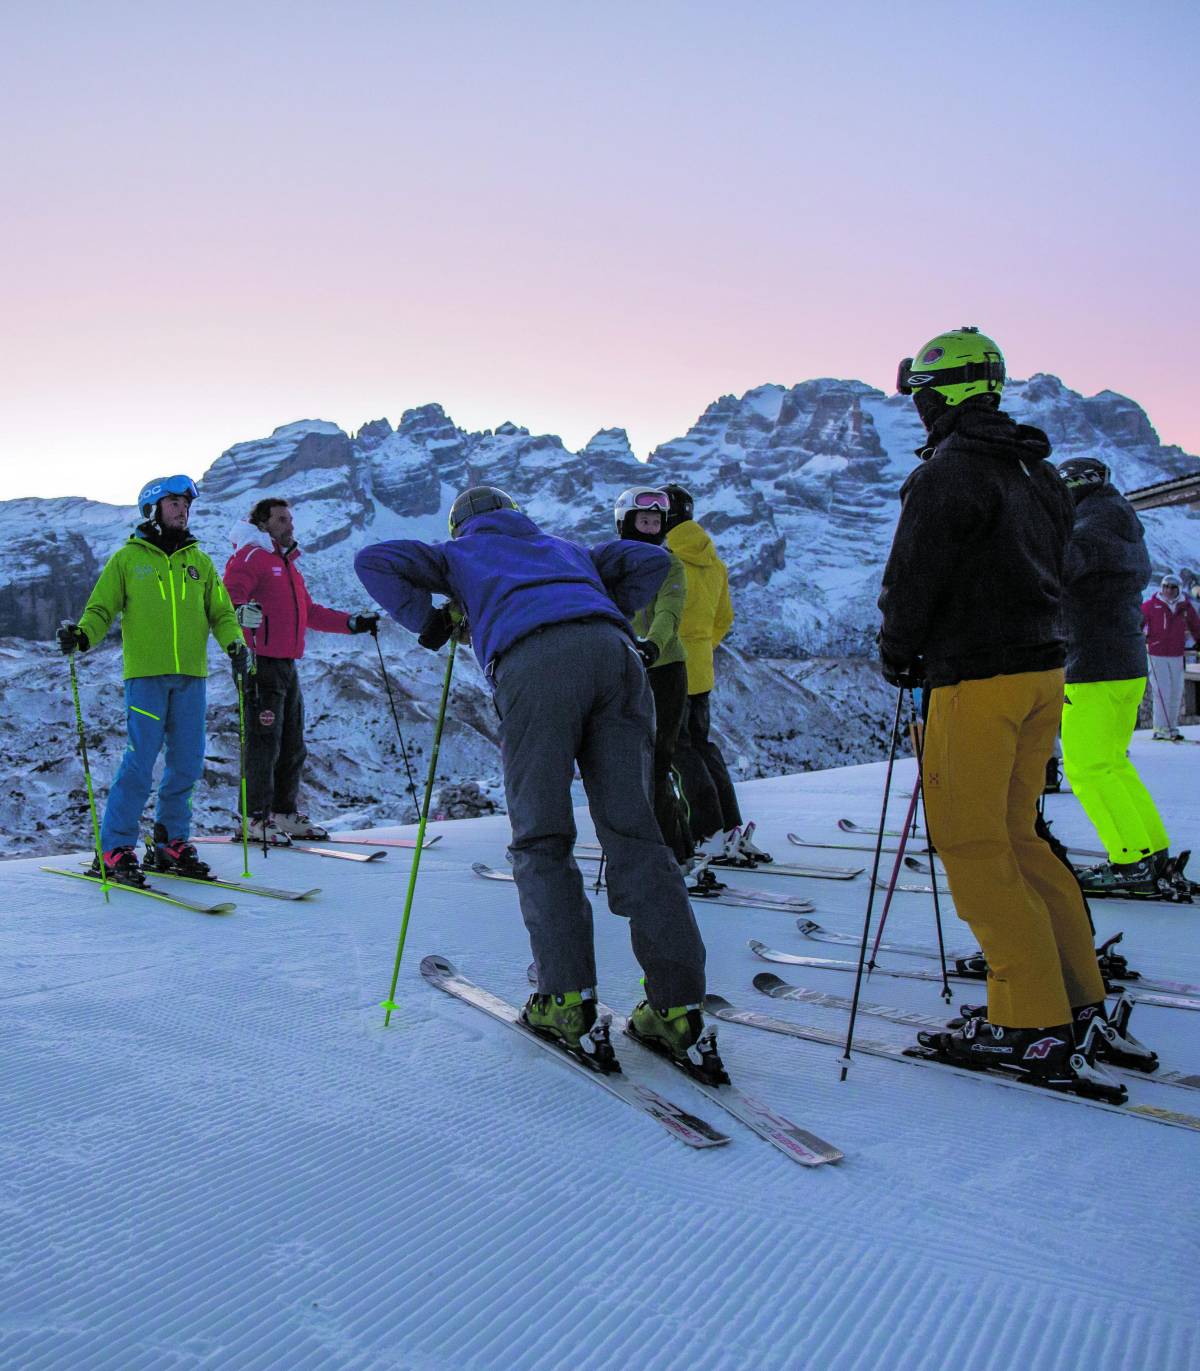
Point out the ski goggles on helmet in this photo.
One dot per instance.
(652, 499)
(153, 491)
(910, 378)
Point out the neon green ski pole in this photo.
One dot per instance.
(390, 1003)
(87, 775)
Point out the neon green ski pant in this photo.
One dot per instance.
(1098, 722)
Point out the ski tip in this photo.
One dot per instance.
(756, 946)
(807, 926)
(767, 981)
(481, 868)
(436, 967)
(716, 1003)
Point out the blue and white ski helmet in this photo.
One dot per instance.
(153, 491)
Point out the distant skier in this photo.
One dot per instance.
(275, 609)
(641, 516)
(1106, 567)
(970, 606)
(548, 621)
(169, 598)
(1168, 617)
(707, 617)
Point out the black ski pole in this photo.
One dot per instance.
(918, 733)
(390, 1003)
(866, 933)
(387, 685)
(87, 774)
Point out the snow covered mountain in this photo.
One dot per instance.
(798, 485)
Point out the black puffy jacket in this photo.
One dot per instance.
(974, 580)
(1106, 571)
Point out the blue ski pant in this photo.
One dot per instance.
(160, 711)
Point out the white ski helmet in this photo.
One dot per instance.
(641, 499)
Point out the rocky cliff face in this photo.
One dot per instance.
(798, 485)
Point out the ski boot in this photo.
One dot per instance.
(1160, 735)
(178, 858)
(571, 1020)
(1045, 1057)
(681, 1036)
(1111, 1041)
(297, 825)
(120, 866)
(260, 828)
(1128, 880)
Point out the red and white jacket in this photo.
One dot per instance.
(1167, 625)
(259, 571)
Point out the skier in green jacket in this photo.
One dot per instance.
(169, 598)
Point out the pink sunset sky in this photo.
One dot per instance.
(227, 217)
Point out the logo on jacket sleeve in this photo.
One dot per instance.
(266, 717)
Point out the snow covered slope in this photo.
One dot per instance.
(797, 484)
(215, 1158)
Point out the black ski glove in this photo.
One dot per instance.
(443, 622)
(647, 650)
(239, 659)
(71, 638)
(364, 623)
(903, 675)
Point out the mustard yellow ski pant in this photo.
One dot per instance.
(1098, 721)
(986, 746)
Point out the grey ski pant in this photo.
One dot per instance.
(577, 692)
(1166, 685)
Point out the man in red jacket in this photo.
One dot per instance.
(274, 608)
(1168, 616)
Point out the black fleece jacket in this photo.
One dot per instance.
(974, 580)
(1106, 571)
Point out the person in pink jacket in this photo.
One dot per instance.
(1168, 617)
(275, 609)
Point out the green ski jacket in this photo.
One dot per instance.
(168, 603)
(659, 621)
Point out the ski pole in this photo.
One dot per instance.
(947, 993)
(241, 691)
(910, 823)
(387, 685)
(87, 774)
(866, 933)
(390, 1003)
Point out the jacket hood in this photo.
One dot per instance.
(151, 533)
(246, 534)
(1174, 605)
(510, 522)
(991, 431)
(691, 544)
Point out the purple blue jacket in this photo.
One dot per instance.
(511, 578)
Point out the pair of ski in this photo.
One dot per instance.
(720, 1008)
(724, 894)
(1138, 994)
(717, 865)
(849, 826)
(795, 1142)
(376, 856)
(964, 962)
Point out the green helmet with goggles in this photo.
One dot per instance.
(956, 365)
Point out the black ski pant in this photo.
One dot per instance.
(577, 692)
(703, 776)
(275, 749)
(669, 686)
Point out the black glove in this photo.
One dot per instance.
(71, 638)
(364, 623)
(239, 659)
(647, 650)
(444, 621)
(903, 675)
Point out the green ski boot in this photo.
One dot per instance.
(571, 1021)
(680, 1035)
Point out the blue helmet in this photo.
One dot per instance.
(153, 491)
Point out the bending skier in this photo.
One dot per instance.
(641, 516)
(1106, 567)
(707, 617)
(970, 606)
(1168, 616)
(548, 621)
(275, 609)
(169, 599)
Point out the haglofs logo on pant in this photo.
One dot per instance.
(266, 717)
(1040, 1050)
